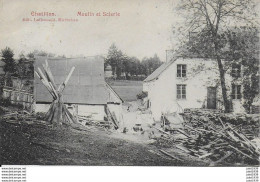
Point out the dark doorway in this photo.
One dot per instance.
(212, 98)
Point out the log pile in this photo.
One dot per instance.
(89, 121)
(24, 117)
(209, 136)
(248, 123)
(21, 116)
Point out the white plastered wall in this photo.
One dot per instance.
(201, 74)
(96, 112)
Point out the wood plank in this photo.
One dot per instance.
(242, 153)
(45, 84)
(229, 153)
(169, 155)
(205, 155)
(63, 85)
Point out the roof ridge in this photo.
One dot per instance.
(160, 69)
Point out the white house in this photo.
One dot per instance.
(189, 82)
(86, 93)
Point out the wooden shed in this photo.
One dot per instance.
(86, 93)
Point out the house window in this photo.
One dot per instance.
(236, 70)
(181, 70)
(236, 91)
(181, 91)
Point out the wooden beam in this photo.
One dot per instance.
(63, 85)
(161, 131)
(48, 83)
(242, 152)
(54, 90)
(49, 74)
(43, 77)
(169, 155)
(45, 84)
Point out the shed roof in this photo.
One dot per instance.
(86, 85)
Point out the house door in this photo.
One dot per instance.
(212, 98)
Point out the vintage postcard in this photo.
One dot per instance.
(130, 83)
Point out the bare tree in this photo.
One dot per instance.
(210, 17)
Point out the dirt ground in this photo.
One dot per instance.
(39, 144)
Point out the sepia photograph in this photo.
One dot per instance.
(130, 83)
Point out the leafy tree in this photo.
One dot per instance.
(131, 66)
(31, 60)
(135, 66)
(21, 67)
(7, 57)
(208, 18)
(127, 64)
(114, 58)
(151, 64)
(244, 46)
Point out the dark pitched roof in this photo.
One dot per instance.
(86, 85)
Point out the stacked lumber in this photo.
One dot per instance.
(10, 116)
(21, 116)
(249, 123)
(207, 136)
(89, 121)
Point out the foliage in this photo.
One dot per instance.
(209, 19)
(25, 68)
(244, 46)
(7, 57)
(114, 58)
(130, 67)
(151, 64)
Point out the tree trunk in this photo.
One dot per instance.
(221, 74)
(223, 85)
(221, 69)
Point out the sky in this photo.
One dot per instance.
(144, 27)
